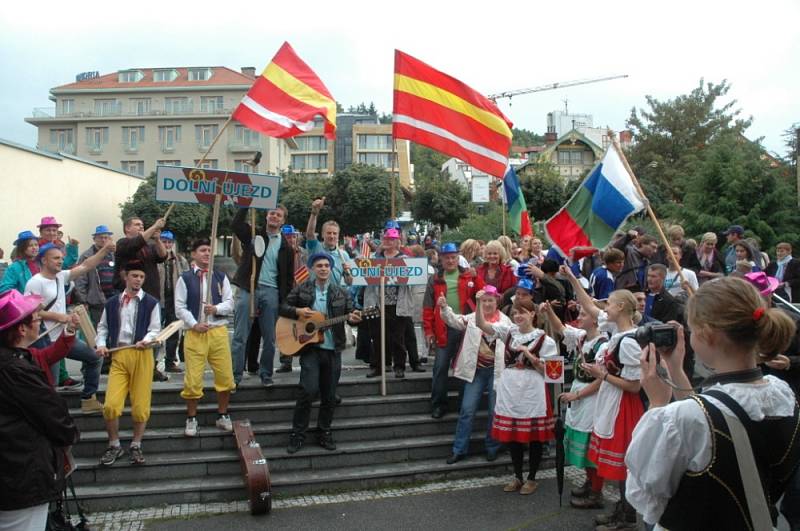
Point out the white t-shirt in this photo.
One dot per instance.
(48, 290)
(673, 281)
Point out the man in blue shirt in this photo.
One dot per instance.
(340, 269)
(601, 282)
(320, 363)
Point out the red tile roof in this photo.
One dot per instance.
(221, 75)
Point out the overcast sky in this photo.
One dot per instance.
(665, 47)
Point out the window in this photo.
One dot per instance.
(96, 138)
(168, 136)
(168, 162)
(243, 166)
(246, 137)
(67, 106)
(211, 104)
(135, 167)
(130, 76)
(199, 74)
(205, 134)
(310, 162)
(563, 157)
(106, 107)
(132, 137)
(140, 106)
(382, 160)
(177, 105)
(209, 164)
(62, 139)
(374, 141)
(312, 143)
(165, 75)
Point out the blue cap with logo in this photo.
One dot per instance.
(102, 229)
(449, 248)
(289, 230)
(167, 235)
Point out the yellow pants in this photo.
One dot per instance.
(131, 373)
(212, 347)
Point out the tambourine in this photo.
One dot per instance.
(259, 246)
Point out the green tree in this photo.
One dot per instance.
(523, 137)
(671, 137)
(359, 198)
(297, 193)
(486, 225)
(427, 162)
(544, 190)
(440, 201)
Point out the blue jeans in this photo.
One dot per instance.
(90, 367)
(241, 329)
(267, 307)
(473, 391)
(444, 357)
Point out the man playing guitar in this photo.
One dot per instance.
(320, 363)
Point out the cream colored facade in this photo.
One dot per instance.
(80, 194)
(367, 143)
(133, 126)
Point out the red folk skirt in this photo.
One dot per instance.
(609, 454)
(510, 429)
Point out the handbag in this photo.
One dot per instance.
(59, 517)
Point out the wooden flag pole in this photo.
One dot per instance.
(252, 265)
(199, 165)
(391, 173)
(503, 205)
(667, 243)
(383, 336)
(210, 275)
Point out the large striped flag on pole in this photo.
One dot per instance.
(286, 98)
(439, 111)
(515, 202)
(598, 208)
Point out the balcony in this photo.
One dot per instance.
(58, 148)
(167, 148)
(108, 109)
(50, 114)
(95, 149)
(244, 145)
(131, 149)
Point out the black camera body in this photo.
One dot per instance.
(661, 335)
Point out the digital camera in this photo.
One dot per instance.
(661, 335)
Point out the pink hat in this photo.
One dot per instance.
(764, 284)
(49, 221)
(392, 234)
(491, 290)
(14, 307)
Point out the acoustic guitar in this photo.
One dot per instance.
(291, 335)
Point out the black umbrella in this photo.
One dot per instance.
(559, 432)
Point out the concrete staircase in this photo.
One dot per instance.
(381, 441)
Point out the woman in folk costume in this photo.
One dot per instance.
(523, 415)
(479, 363)
(698, 481)
(582, 343)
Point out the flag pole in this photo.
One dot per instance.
(650, 212)
(391, 172)
(503, 204)
(383, 335)
(252, 265)
(210, 275)
(202, 160)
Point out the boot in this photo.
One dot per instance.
(593, 500)
(91, 405)
(625, 521)
(583, 490)
(609, 518)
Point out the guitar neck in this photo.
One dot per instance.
(327, 323)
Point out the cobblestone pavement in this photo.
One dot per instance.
(134, 520)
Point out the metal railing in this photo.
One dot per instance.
(116, 111)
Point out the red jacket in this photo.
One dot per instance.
(468, 286)
(53, 353)
(505, 276)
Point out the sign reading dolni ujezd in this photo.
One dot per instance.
(175, 184)
(396, 271)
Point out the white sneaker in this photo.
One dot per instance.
(224, 423)
(191, 428)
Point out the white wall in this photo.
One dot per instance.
(80, 195)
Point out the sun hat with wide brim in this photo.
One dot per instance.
(14, 307)
(766, 285)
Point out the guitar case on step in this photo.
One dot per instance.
(254, 468)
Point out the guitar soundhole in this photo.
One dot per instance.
(309, 328)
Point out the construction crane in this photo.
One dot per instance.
(552, 86)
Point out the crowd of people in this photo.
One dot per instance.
(491, 314)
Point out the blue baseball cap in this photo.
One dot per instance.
(167, 235)
(319, 256)
(525, 283)
(25, 236)
(44, 248)
(392, 224)
(102, 229)
(289, 230)
(449, 248)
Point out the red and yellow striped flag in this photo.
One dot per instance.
(441, 112)
(301, 274)
(286, 98)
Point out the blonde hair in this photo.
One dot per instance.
(470, 249)
(507, 244)
(709, 237)
(675, 230)
(495, 245)
(729, 305)
(628, 302)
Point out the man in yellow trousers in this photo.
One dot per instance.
(206, 339)
(131, 319)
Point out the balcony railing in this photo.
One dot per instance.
(244, 145)
(95, 149)
(51, 113)
(56, 148)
